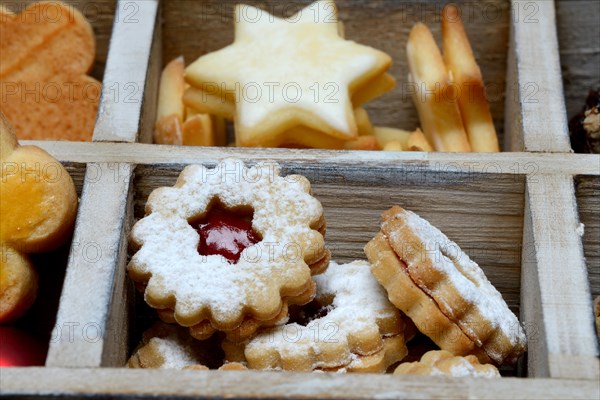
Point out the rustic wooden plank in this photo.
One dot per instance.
(83, 336)
(150, 103)
(554, 286)
(578, 33)
(127, 383)
(587, 191)
(501, 163)
(126, 73)
(535, 102)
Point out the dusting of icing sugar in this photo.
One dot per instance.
(465, 275)
(358, 303)
(463, 368)
(283, 213)
(174, 354)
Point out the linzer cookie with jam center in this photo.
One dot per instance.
(351, 326)
(165, 346)
(229, 248)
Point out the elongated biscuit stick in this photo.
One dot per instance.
(433, 95)
(170, 110)
(418, 142)
(473, 104)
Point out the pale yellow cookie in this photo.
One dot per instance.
(444, 363)
(276, 87)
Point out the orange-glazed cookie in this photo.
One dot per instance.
(38, 204)
(229, 248)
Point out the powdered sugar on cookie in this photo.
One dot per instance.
(200, 287)
(456, 283)
(354, 324)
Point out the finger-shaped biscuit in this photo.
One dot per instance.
(433, 94)
(472, 101)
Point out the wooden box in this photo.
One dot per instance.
(517, 213)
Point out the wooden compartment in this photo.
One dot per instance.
(517, 213)
(482, 203)
(588, 203)
(518, 90)
(578, 32)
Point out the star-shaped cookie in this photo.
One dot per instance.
(285, 73)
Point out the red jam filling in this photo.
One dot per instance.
(309, 312)
(225, 233)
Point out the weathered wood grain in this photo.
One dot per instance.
(193, 28)
(578, 33)
(493, 163)
(535, 106)
(130, 384)
(587, 191)
(84, 337)
(126, 73)
(555, 289)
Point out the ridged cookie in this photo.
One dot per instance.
(358, 317)
(412, 301)
(456, 284)
(268, 275)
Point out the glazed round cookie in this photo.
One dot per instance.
(18, 284)
(189, 268)
(38, 204)
(350, 318)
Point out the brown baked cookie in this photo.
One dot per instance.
(229, 248)
(47, 50)
(446, 284)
